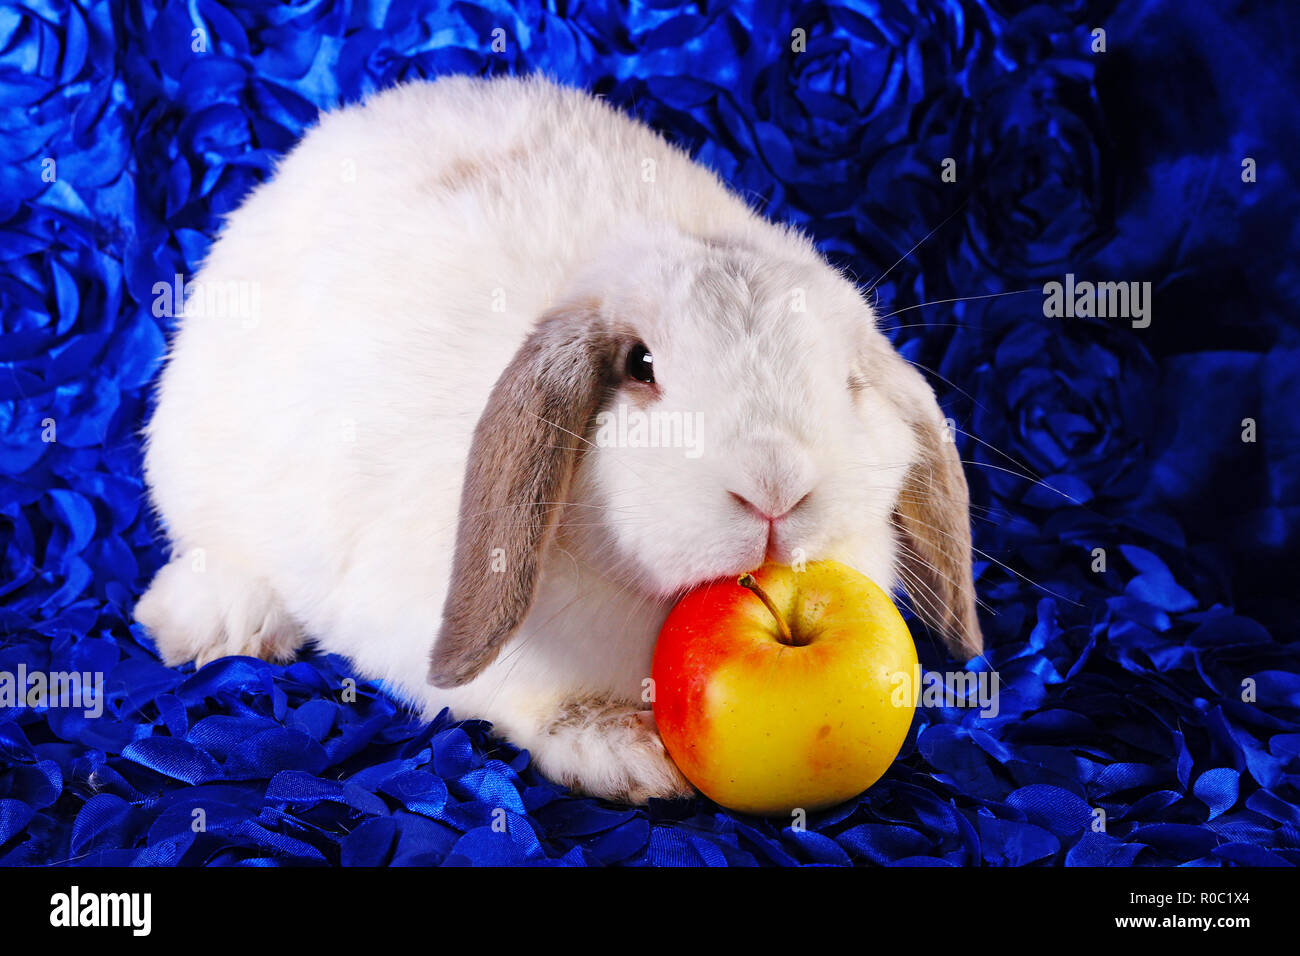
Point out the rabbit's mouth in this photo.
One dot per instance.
(771, 545)
(779, 543)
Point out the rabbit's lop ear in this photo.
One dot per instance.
(521, 460)
(932, 517)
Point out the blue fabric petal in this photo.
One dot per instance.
(1217, 789)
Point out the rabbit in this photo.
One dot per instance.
(376, 425)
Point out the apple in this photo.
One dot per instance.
(784, 689)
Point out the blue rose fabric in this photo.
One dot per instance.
(1136, 491)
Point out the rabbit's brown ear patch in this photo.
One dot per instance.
(933, 521)
(525, 446)
(932, 516)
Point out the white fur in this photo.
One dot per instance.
(313, 459)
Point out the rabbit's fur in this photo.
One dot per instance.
(393, 453)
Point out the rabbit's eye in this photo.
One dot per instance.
(641, 364)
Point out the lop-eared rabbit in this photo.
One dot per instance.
(393, 449)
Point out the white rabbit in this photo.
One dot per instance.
(377, 425)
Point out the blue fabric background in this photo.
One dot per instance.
(1123, 689)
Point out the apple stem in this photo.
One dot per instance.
(747, 581)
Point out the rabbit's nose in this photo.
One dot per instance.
(774, 477)
(767, 511)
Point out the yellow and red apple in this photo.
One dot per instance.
(784, 689)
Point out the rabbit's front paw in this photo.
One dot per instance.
(609, 750)
(201, 609)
